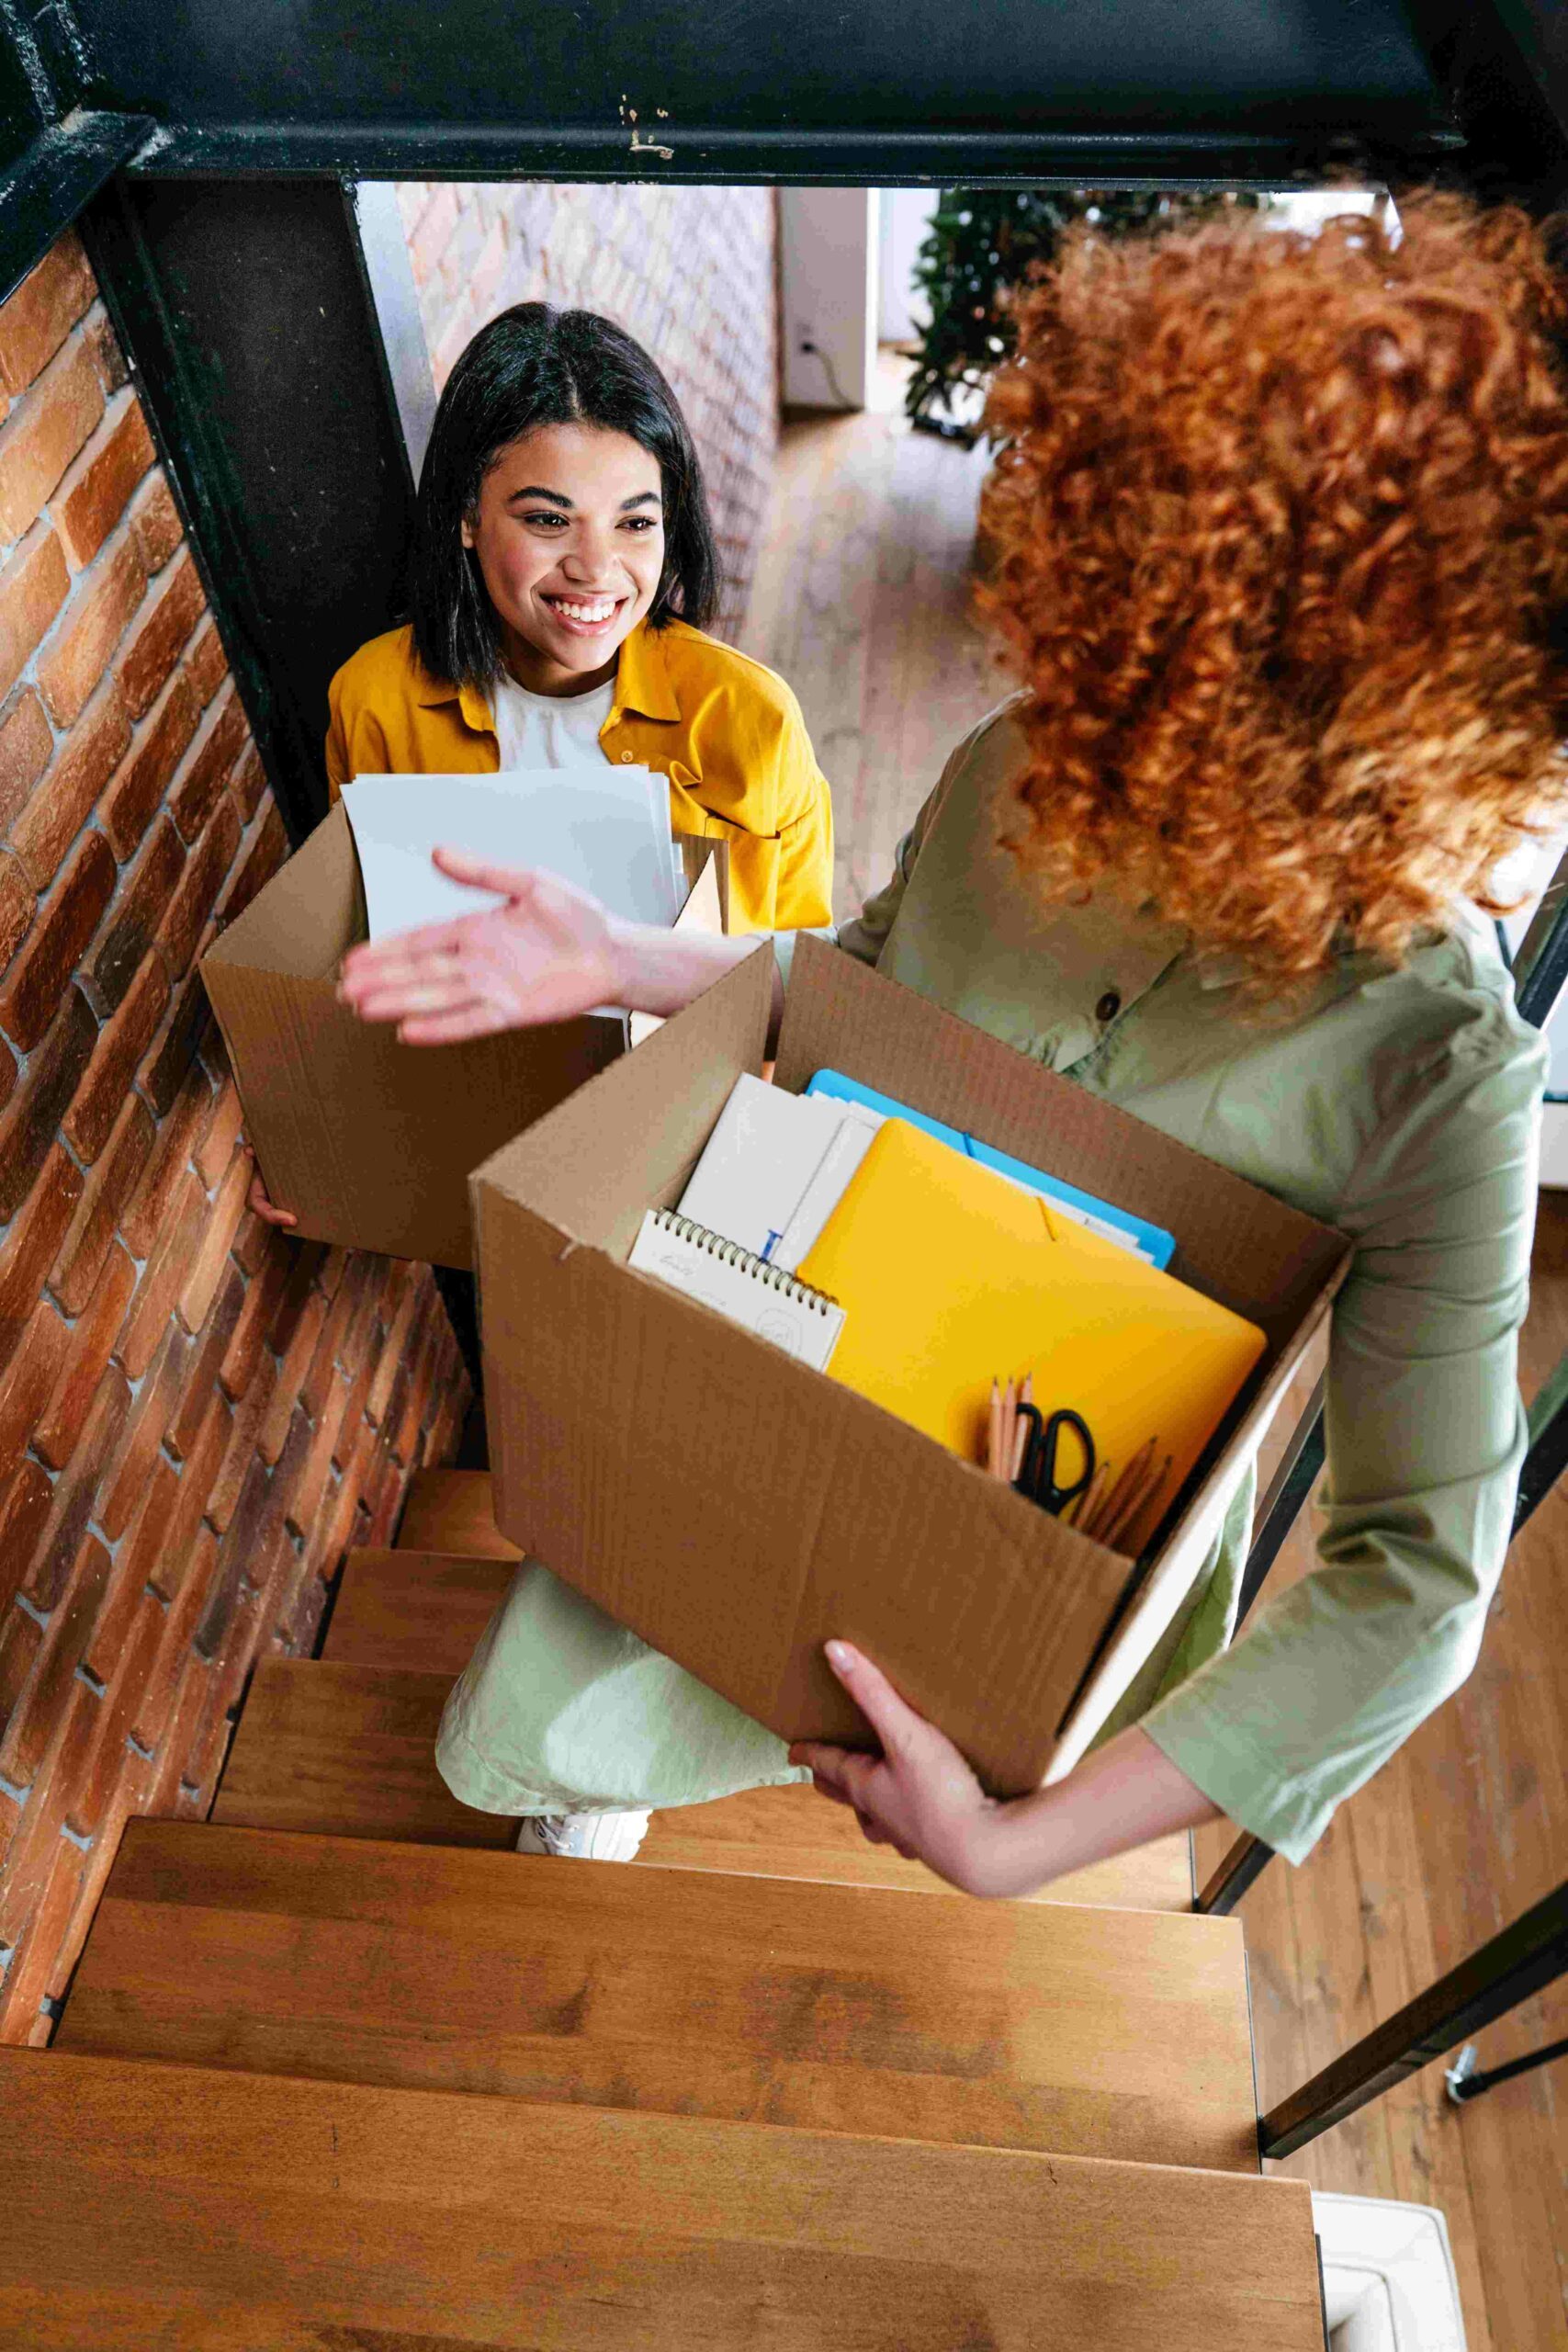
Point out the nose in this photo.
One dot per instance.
(590, 561)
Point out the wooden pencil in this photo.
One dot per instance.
(1021, 1434)
(1110, 1507)
(1120, 1522)
(993, 1438)
(1153, 1494)
(1080, 1511)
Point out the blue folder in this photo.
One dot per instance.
(1150, 1241)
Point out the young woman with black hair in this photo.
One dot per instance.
(564, 577)
(564, 574)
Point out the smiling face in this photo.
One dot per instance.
(569, 537)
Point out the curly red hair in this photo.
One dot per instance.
(1281, 528)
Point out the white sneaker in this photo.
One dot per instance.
(584, 1837)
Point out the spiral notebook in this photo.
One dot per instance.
(738, 1284)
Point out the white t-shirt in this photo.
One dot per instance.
(550, 731)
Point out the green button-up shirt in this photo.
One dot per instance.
(1402, 1106)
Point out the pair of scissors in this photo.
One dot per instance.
(1038, 1478)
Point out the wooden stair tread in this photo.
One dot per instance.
(423, 1612)
(793, 1833)
(348, 1751)
(1107, 2033)
(420, 1611)
(164, 2203)
(449, 1510)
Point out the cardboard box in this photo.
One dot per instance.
(736, 1508)
(371, 1142)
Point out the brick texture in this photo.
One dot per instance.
(688, 271)
(195, 1412)
(44, 433)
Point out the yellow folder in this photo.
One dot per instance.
(951, 1276)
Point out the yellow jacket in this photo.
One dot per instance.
(727, 732)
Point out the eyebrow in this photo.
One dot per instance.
(536, 490)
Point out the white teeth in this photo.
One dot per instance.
(582, 612)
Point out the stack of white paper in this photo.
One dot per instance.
(775, 1168)
(606, 833)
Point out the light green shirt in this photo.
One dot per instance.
(1401, 1106)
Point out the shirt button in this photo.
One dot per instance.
(626, 755)
(1110, 1005)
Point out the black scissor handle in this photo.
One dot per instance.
(1037, 1479)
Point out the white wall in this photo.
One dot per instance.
(827, 258)
(906, 216)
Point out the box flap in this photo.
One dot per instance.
(705, 864)
(593, 1166)
(310, 914)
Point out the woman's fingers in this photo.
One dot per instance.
(394, 1002)
(406, 949)
(479, 874)
(892, 1720)
(826, 1788)
(471, 1019)
(264, 1206)
(849, 1771)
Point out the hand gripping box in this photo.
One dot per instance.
(735, 1508)
(371, 1142)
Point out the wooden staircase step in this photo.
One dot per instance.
(1105, 2033)
(349, 1751)
(164, 2204)
(423, 1612)
(449, 1510)
(793, 1833)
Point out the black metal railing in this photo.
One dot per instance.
(1504, 1971)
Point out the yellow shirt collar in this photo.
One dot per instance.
(642, 685)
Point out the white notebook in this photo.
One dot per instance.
(766, 1158)
(739, 1285)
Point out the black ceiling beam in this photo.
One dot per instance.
(1151, 91)
(1129, 159)
(56, 175)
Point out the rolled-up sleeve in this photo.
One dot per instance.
(1425, 1435)
(865, 934)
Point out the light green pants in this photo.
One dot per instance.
(560, 1710)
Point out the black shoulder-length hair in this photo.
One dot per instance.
(534, 365)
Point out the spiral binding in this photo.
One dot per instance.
(745, 1262)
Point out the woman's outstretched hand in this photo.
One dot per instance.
(919, 1795)
(547, 954)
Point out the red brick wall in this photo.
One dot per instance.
(689, 271)
(196, 1414)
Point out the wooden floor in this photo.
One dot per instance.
(862, 603)
(1463, 1831)
(862, 607)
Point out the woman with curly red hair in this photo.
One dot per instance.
(1281, 557)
